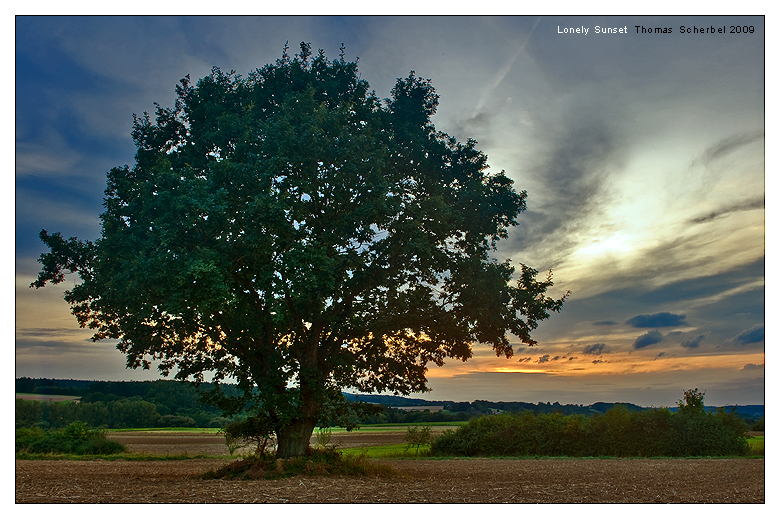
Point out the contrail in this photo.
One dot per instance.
(504, 70)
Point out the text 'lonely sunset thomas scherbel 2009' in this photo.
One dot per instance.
(641, 29)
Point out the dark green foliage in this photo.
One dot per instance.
(692, 402)
(124, 413)
(76, 438)
(251, 431)
(170, 420)
(28, 413)
(618, 432)
(710, 434)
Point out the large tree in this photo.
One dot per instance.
(292, 232)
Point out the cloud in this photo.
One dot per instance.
(503, 72)
(751, 335)
(48, 342)
(693, 343)
(752, 367)
(46, 158)
(745, 205)
(604, 323)
(659, 320)
(727, 146)
(652, 337)
(543, 359)
(567, 182)
(595, 349)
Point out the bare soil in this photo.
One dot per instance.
(547, 480)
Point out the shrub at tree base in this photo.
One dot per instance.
(76, 438)
(657, 432)
(319, 462)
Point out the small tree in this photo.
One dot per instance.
(702, 433)
(692, 401)
(245, 433)
(417, 437)
(292, 232)
(323, 436)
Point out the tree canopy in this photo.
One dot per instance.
(292, 232)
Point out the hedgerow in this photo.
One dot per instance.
(76, 438)
(691, 431)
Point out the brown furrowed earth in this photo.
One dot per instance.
(545, 480)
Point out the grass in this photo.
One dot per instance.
(394, 450)
(43, 396)
(756, 445)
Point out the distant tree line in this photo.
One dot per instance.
(168, 403)
(115, 414)
(115, 405)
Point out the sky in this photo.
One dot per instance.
(642, 153)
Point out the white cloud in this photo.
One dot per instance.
(44, 158)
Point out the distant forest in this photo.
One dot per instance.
(168, 403)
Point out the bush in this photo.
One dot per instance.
(327, 462)
(252, 431)
(709, 434)
(76, 438)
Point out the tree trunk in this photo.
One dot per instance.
(293, 440)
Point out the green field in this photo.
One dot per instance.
(396, 450)
(756, 444)
(45, 397)
(389, 427)
(171, 430)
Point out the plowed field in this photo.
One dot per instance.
(416, 481)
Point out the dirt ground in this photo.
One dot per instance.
(547, 480)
